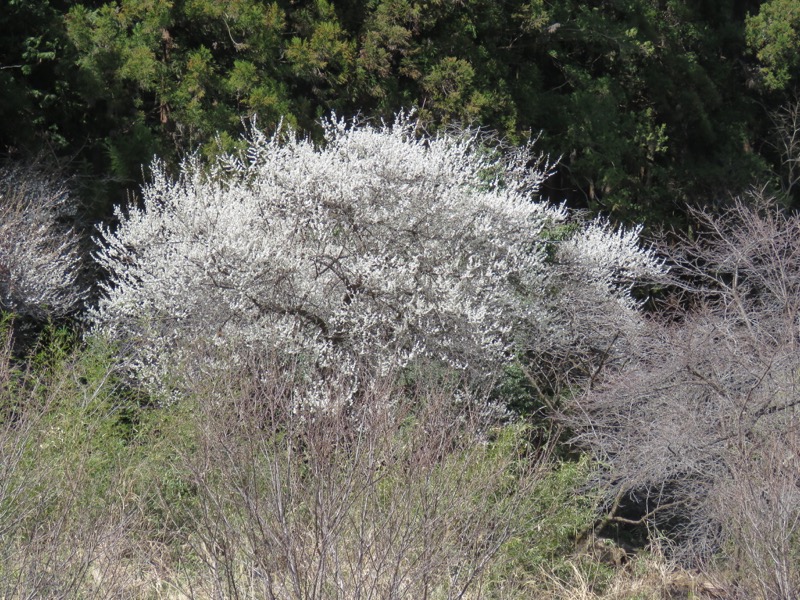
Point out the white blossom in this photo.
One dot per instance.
(39, 260)
(378, 247)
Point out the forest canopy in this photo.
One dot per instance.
(651, 105)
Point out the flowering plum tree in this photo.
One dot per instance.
(38, 259)
(376, 248)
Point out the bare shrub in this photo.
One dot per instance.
(408, 492)
(39, 260)
(761, 502)
(785, 140)
(60, 535)
(697, 429)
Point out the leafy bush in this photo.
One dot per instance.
(562, 509)
(380, 247)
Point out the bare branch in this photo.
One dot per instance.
(689, 429)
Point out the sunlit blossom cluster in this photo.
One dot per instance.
(39, 260)
(376, 248)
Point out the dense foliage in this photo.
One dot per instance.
(650, 104)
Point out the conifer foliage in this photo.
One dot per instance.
(377, 248)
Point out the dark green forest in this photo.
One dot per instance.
(652, 105)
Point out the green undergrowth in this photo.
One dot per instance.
(107, 493)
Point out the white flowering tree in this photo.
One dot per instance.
(374, 249)
(39, 259)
